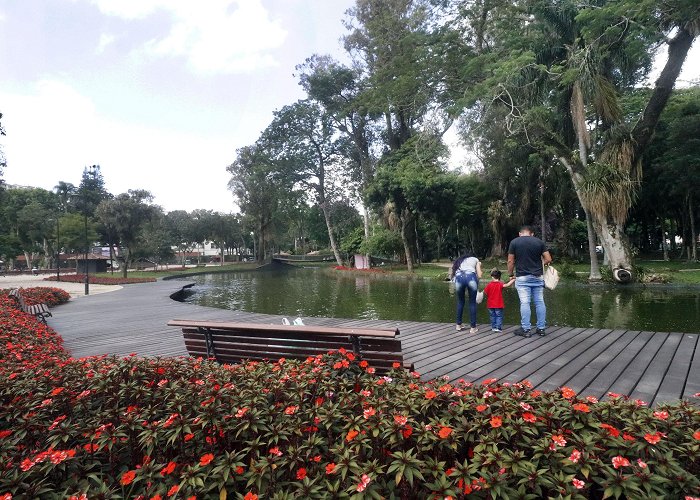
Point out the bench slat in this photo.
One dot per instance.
(262, 327)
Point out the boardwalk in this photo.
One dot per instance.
(651, 366)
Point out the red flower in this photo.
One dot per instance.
(496, 422)
(364, 481)
(173, 490)
(127, 477)
(481, 408)
(628, 437)
(578, 484)
(653, 438)
(696, 435)
(206, 459)
(364, 364)
(529, 417)
(301, 473)
(661, 415)
(575, 456)
(369, 412)
(407, 432)
(611, 430)
(168, 469)
(189, 436)
(581, 407)
(351, 435)
(239, 470)
(620, 461)
(558, 440)
(396, 365)
(290, 410)
(430, 394)
(250, 496)
(444, 432)
(567, 393)
(330, 468)
(400, 420)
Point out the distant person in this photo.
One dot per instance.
(526, 257)
(465, 274)
(494, 299)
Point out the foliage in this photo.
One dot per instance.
(324, 427)
(99, 280)
(43, 295)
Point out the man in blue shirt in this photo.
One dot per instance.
(526, 257)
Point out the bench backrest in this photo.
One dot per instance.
(234, 342)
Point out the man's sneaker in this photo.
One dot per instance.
(473, 330)
(521, 332)
(495, 329)
(541, 332)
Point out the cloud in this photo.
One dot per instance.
(217, 36)
(105, 40)
(53, 132)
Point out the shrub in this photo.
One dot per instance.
(44, 295)
(108, 427)
(99, 280)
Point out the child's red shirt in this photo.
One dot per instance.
(494, 295)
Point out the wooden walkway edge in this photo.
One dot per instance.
(652, 366)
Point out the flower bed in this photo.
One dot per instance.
(99, 280)
(107, 427)
(43, 295)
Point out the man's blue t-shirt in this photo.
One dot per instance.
(528, 252)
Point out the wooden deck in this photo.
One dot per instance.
(651, 366)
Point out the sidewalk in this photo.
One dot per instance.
(75, 289)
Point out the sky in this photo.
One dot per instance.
(159, 93)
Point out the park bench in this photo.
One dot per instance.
(230, 342)
(40, 311)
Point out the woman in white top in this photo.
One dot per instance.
(466, 272)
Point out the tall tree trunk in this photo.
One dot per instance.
(616, 246)
(594, 274)
(365, 218)
(693, 235)
(406, 243)
(331, 236)
(664, 247)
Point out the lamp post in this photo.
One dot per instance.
(87, 278)
(58, 252)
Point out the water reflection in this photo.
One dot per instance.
(318, 292)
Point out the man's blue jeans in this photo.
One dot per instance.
(531, 288)
(466, 283)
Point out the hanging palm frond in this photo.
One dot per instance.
(608, 190)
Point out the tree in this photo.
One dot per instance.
(339, 90)
(3, 161)
(127, 214)
(407, 183)
(567, 67)
(305, 148)
(258, 188)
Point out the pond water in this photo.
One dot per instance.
(321, 292)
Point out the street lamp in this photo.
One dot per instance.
(58, 252)
(87, 278)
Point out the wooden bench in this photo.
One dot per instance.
(40, 311)
(234, 342)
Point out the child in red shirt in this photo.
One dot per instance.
(494, 299)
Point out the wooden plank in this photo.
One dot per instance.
(692, 383)
(652, 378)
(672, 385)
(628, 378)
(572, 362)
